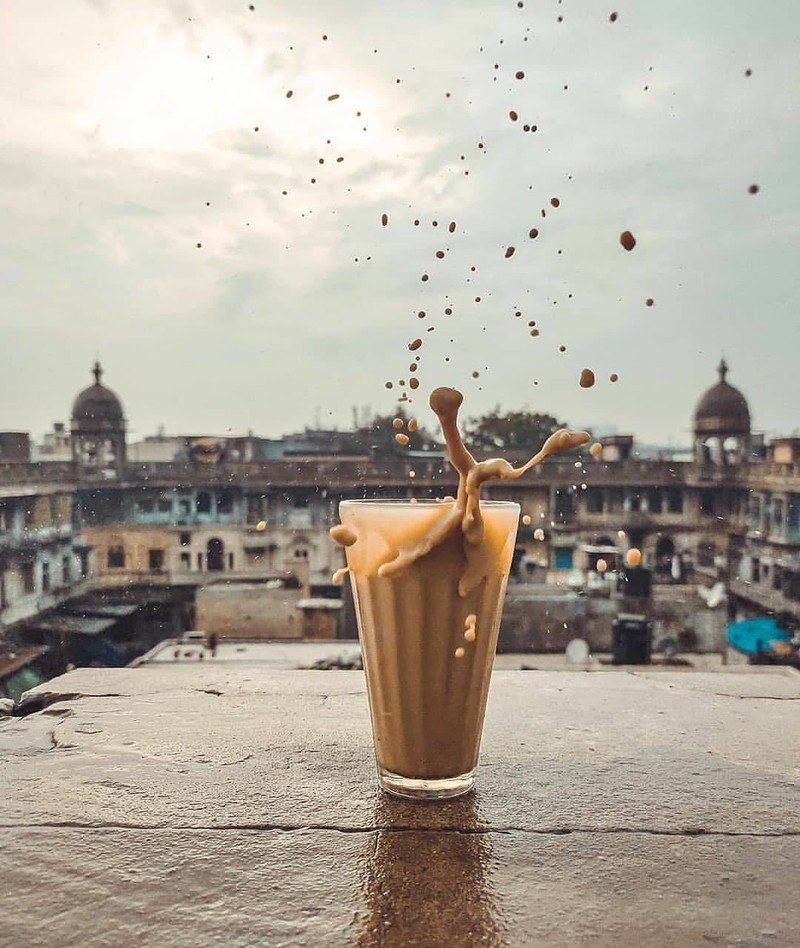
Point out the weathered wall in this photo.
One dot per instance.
(249, 611)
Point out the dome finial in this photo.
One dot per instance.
(722, 368)
(97, 371)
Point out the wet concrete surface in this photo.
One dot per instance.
(223, 806)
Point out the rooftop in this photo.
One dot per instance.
(208, 803)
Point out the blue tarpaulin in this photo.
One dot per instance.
(754, 635)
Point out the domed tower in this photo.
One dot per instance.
(98, 430)
(722, 424)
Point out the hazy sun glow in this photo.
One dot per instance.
(163, 95)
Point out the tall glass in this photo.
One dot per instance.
(428, 651)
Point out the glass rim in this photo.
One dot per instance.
(419, 502)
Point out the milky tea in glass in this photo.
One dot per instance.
(428, 651)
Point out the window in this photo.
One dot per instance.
(777, 512)
(144, 506)
(255, 506)
(116, 557)
(186, 539)
(155, 560)
(225, 502)
(165, 505)
(66, 570)
(565, 504)
(563, 557)
(45, 576)
(203, 502)
(594, 500)
(230, 561)
(674, 500)
(186, 561)
(28, 578)
(654, 500)
(793, 515)
(707, 503)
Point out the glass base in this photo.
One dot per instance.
(411, 788)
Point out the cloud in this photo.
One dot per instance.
(129, 138)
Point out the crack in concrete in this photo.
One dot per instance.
(725, 694)
(686, 833)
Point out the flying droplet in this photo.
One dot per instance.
(509, 252)
(627, 240)
(587, 378)
(633, 557)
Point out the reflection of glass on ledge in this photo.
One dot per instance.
(427, 870)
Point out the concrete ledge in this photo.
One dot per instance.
(193, 805)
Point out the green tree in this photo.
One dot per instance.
(500, 431)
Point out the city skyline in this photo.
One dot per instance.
(132, 136)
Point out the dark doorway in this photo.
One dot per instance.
(215, 555)
(665, 548)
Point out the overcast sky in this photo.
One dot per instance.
(132, 132)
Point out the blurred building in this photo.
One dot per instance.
(156, 526)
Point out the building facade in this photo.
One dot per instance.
(242, 510)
